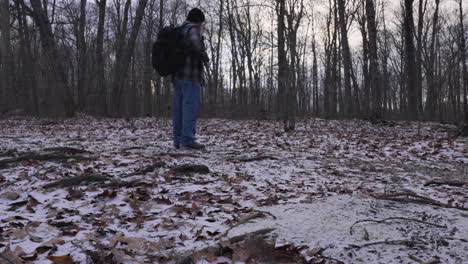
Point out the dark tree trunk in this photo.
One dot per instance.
(347, 63)
(376, 100)
(411, 78)
(82, 59)
(7, 72)
(432, 105)
(100, 91)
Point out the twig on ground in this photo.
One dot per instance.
(257, 158)
(177, 155)
(394, 218)
(450, 183)
(247, 220)
(78, 180)
(408, 243)
(251, 234)
(238, 224)
(128, 184)
(67, 149)
(42, 157)
(188, 168)
(2, 256)
(7, 152)
(145, 170)
(131, 148)
(411, 197)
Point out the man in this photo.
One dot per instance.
(187, 83)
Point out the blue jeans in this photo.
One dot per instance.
(185, 107)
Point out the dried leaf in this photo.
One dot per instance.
(10, 195)
(13, 256)
(61, 259)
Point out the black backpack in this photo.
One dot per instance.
(169, 51)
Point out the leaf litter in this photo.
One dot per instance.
(315, 189)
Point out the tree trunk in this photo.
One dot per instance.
(123, 61)
(7, 72)
(347, 63)
(282, 63)
(59, 97)
(100, 91)
(82, 59)
(411, 78)
(431, 107)
(421, 13)
(463, 62)
(376, 100)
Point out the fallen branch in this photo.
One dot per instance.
(394, 218)
(411, 197)
(260, 232)
(78, 180)
(177, 155)
(408, 243)
(257, 214)
(188, 168)
(67, 150)
(5, 258)
(127, 184)
(8, 152)
(147, 169)
(450, 183)
(42, 157)
(463, 132)
(257, 158)
(131, 148)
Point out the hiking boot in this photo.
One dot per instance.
(194, 145)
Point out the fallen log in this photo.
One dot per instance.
(450, 183)
(177, 155)
(42, 157)
(127, 184)
(189, 168)
(260, 232)
(411, 197)
(408, 243)
(257, 158)
(78, 180)
(147, 169)
(67, 150)
(394, 218)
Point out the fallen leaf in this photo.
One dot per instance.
(13, 256)
(10, 195)
(61, 259)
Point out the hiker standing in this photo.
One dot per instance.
(187, 83)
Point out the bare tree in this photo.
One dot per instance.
(7, 71)
(376, 100)
(411, 84)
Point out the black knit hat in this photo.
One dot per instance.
(196, 16)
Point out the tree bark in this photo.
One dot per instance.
(411, 78)
(347, 63)
(431, 101)
(82, 58)
(376, 100)
(282, 62)
(463, 62)
(59, 98)
(7, 97)
(125, 53)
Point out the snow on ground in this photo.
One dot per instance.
(318, 182)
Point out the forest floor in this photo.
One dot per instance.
(88, 190)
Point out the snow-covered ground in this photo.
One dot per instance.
(315, 186)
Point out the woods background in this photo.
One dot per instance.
(283, 59)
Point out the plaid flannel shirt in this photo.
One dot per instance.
(193, 67)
